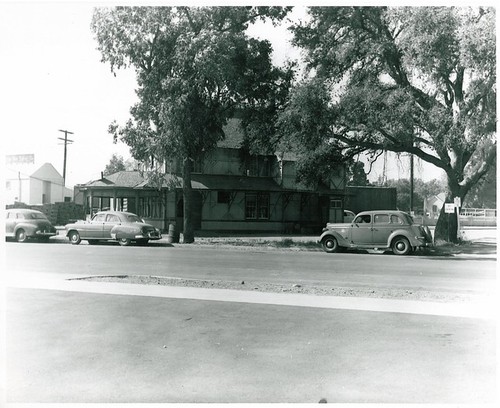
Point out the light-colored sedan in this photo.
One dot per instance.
(120, 226)
(383, 229)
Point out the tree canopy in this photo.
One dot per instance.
(115, 164)
(420, 80)
(195, 68)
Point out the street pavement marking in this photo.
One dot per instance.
(483, 310)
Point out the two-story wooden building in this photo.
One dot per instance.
(232, 192)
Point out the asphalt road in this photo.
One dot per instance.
(443, 274)
(66, 346)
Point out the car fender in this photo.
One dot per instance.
(404, 233)
(28, 228)
(125, 231)
(340, 239)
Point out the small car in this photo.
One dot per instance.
(23, 224)
(124, 227)
(384, 229)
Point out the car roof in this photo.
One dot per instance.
(24, 210)
(382, 212)
(116, 212)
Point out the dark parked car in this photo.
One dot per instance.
(123, 227)
(22, 224)
(377, 229)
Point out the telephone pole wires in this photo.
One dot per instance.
(66, 142)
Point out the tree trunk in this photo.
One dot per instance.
(188, 200)
(447, 224)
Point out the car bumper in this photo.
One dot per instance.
(150, 235)
(43, 234)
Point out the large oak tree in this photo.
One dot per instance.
(195, 67)
(420, 80)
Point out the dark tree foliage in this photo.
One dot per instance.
(195, 68)
(115, 164)
(420, 80)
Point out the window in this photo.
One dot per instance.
(363, 219)
(7, 185)
(257, 206)
(381, 219)
(335, 203)
(223, 197)
(150, 207)
(251, 206)
(259, 166)
(396, 220)
(112, 218)
(99, 218)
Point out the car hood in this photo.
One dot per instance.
(334, 225)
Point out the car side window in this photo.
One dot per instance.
(363, 219)
(112, 218)
(396, 220)
(381, 219)
(99, 218)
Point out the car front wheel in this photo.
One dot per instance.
(330, 244)
(401, 246)
(74, 238)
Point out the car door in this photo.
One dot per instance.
(361, 230)
(382, 228)
(111, 221)
(93, 229)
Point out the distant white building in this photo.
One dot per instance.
(433, 205)
(27, 183)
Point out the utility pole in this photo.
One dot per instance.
(66, 141)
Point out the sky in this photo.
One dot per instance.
(53, 79)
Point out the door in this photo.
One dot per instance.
(109, 223)
(361, 230)
(94, 228)
(382, 228)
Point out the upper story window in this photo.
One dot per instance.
(258, 166)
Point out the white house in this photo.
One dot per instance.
(433, 205)
(31, 185)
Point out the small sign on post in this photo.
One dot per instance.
(449, 208)
(458, 203)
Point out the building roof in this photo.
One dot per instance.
(119, 179)
(47, 172)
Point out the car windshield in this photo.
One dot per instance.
(133, 218)
(36, 216)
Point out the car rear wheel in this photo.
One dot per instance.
(124, 241)
(401, 246)
(330, 244)
(74, 238)
(21, 236)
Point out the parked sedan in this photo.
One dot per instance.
(22, 224)
(123, 227)
(377, 230)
